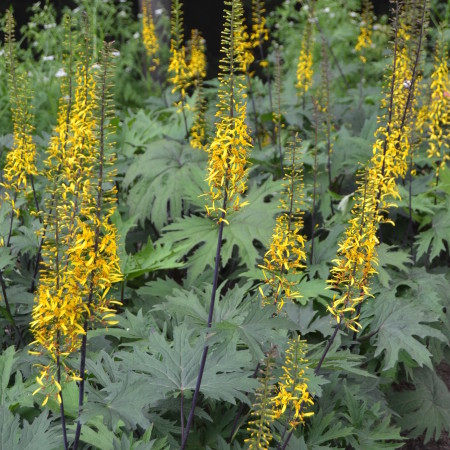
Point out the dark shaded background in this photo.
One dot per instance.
(205, 15)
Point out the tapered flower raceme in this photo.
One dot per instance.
(357, 255)
(197, 73)
(178, 66)
(438, 111)
(80, 261)
(20, 162)
(197, 57)
(365, 31)
(378, 189)
(305, 64)
(292, 390)
(149, 33)
(229, 150)
(286, 254)
(198, 131)
(262, 414)
(259, 33)
(245, 50)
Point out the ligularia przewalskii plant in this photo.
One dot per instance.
(283, 288)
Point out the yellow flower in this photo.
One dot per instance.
(438, 110)
(178, 67)
(149, 33)
(262, 414)
(292, 389)
(305, 64)
(21, 160)
(286, 254)
(377, 190)
(80, 261)
(260, 33)
(197, 59)
(365, 31)
(228, 152)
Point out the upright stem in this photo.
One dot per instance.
(61, 405)
(99, 202)
(313, 212)
(183, 107)
(210, 316)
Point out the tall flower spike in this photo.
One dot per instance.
(149, 33)
(305, 63)
(20, 162)
(262, 411)
(377, 186)
(260, 33)
(439, 110)
(286, 254)
(197, 72)
(178, 67)
(292, 390)
(229, 150)
(365, 30)
(80, 252)
(357, 253)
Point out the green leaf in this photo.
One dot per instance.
(399, 321)
(325, 428)
(433, 239)
(123, 398)
(6, 364)
(150, 259)
(426, 408)
(173, 367)
(197, 236)
(40, 434)
(158, 179)
(235, 315)
(393, 257)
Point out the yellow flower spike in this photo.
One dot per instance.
(305, 63)
(149, 33)
(286, 253)
(365, 31)
(292, 381)
(21, 160)
(259, 33)
(79, 254)
(229, 149)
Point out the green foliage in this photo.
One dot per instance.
(425, 409)
(142, 372)
(41, 433)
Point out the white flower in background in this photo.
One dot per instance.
(136, 35)
(61, 73)
(47, 26)
(326, 10)
(115, 53)
(122, 14)
(158, 11)
(48, 58)
(2, 52)
(332, 15)
(95, 66)
(353, 14)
